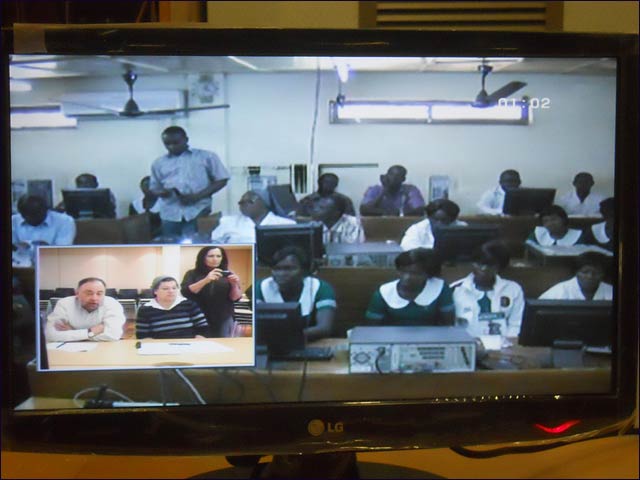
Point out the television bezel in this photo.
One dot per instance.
(282, 428)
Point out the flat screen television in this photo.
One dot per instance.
(587, 89)
(456, 243)
(548, 321)
(283, 201)
(307, 236)
(88, 203)
(527, 201)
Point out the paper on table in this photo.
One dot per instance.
(491, 342)
(180, 347)
(72, 346)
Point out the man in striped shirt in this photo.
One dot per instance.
(170, 315)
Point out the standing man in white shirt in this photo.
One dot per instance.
(254, 210)
(492, 201)
(581, 200)
(185, 179)
(87, 315)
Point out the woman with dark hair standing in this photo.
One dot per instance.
(214, 288)
(418, 297)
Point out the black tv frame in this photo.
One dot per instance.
(547, 321)
(430, 422)
(527, 201)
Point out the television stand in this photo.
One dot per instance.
(340, 465)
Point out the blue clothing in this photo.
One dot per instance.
(190, 172)
(56, 229)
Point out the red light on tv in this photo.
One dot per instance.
(563, 427)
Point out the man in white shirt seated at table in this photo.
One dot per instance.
(337, 225)
(87, 315)
(440, 212)
(255, 210)
(35, 224)
(492, 201)
(581, 200)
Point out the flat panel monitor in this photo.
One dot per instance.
(527, 201)
(271, 238)
(458, 242)
(88, 203)
(279, 327)
(279, 85)
(548, 321)
(283, 201)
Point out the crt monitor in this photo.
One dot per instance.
(549, 321)
(88, 203)
(527, 201)
(279, 84)
(457, 242)
(271, 238)
(279, 327)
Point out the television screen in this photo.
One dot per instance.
(249, 96)
(279, 327)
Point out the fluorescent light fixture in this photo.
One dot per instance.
(19, 86)
(45, 116)
(468, 112)
(427, 112)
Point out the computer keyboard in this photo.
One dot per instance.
(308, 353)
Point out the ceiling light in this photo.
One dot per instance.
(19, 86)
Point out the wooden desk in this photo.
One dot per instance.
(123, 354)
(328, 381)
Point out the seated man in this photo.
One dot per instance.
(87, 315)
(492, 201)
(555, 229)
(581, 200)
(327, 183)
(169, 314)
(486, 303)
(587, 284)
(439, 212)
(35, 224)
(393, 197)
(255, 210)
(601, 234)
(337, 226)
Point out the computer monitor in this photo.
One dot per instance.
(548, 321)
(271, 238)
(279, 84)
(527, 201)
(88, 203)
(283, 201)
(279, 327)
(458, 242)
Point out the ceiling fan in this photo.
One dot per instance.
(131, 108)
(483, 99)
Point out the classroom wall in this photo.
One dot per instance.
(270, 124)
(130, 267)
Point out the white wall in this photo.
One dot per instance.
(270, 121)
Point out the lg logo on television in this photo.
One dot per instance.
(318, 427)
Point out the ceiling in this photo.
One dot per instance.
(104, 66)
